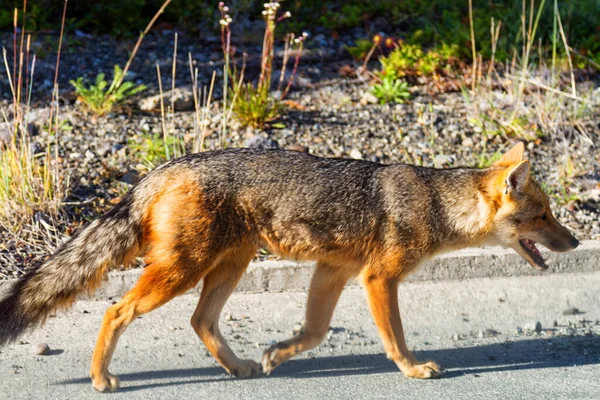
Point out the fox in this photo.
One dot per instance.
(203, 217)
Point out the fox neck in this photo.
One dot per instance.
(470, 205)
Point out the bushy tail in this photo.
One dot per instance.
(77, 266)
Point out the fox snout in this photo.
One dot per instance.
(558, 238)
(564, 244)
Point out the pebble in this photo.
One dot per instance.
(356, 154)
(40, 349)
(572, 311)
(298, 328)
(368, 98)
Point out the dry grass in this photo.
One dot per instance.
(29, 183)
(528, 100)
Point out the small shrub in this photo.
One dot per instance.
(253, 104)
(255, 108)
(98, 98)
(360, 49)
(152, 149)
(391, 89)
(410, 59)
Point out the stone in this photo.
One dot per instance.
(40, 349)
(183, 98)
(368, 98)
(356, 154)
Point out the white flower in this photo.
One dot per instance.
(287, 14)
(225, 9)
(223, 22)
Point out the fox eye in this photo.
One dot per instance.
(543, 217)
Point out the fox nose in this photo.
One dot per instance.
(574, 243)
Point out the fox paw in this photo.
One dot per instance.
(426, 370)
(273, 357)
(106, 383)
(245, 369)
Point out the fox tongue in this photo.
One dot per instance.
(530, 244)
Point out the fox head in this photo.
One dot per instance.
(524, 217)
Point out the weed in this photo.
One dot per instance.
(391, 89)
(410, 59)
(253, 108)
(100, 97)
(153, 148)
(360, 49)
(485, 160)
(253, 104)
(101, 101)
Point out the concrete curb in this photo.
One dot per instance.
(274, 275)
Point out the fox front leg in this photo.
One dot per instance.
(382, 294)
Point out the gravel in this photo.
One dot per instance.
(329, 117)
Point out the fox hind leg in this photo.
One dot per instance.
(219, 283)
(326, 286)
(158, 284)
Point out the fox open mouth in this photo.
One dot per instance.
(533, 255)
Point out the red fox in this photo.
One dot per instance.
(204, 216)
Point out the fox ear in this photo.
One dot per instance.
(517, 177)
(512, 157)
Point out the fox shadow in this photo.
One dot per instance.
(563, 351)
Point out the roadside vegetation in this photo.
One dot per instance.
(523, 71)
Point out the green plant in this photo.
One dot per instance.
(253, 108)
(152, 149)
(485, 160)
(253, 104)
(410, 59)
(391, 89)
(360, 49)
(101, 97)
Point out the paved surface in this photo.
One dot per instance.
(488, 262)
(481, 330)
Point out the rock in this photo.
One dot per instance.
(467, 142)
(368, 98)
(442, 159)
(298, 328)
(5, 132)
(572, 311)
(259, 142)
(356, 154)
(519, 330)
(183, 97)
(298, 148)
(131, 177)
(89, 155)
(40, 349)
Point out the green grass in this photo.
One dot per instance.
(100, 97)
